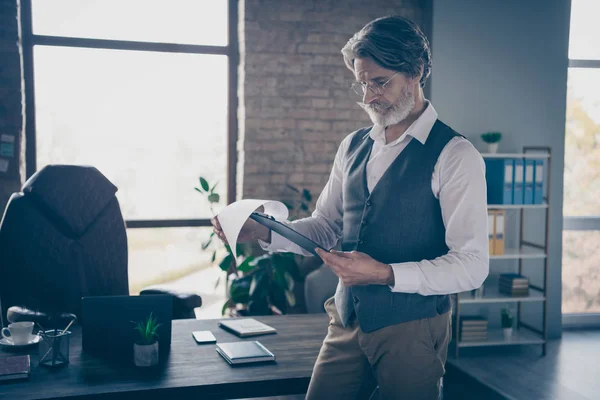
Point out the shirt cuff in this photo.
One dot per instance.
(406, 277)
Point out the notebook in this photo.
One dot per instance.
(245, 327)
(14, 368)
(244, 352)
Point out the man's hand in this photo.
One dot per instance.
(355, 268)
(251, 230)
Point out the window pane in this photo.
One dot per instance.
(151, 122)
(581, 272)
(582, 145)
(585, 31)
(174, 21)
(166, 255)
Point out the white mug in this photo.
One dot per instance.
(19, 332)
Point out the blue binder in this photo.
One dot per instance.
(529, 181)
(538, 187)
(519, 181)
(499, 175)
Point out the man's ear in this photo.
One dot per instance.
(417, 78)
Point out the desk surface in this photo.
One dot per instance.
(191, 369)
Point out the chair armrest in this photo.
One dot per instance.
(183, 303)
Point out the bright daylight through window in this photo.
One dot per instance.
(581, 237)
(152, 121)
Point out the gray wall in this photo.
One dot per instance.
(502, 65)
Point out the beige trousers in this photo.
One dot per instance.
(406, 360)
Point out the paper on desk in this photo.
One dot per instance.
(233, 217)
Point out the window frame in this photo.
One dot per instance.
(231, 50)
(582, 223)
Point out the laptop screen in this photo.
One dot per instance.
(108, 323)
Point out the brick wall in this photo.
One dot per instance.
(295, 106)
(11, 100)
(294, 103)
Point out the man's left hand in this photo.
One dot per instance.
(355, 268)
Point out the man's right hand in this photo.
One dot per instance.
(251, 231)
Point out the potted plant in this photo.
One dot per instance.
(145, 349)
(507, 323)
(492, 139)
(258, 284)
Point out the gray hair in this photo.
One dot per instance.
(394, 43)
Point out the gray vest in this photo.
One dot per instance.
(399, 221)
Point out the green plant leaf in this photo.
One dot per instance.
(304, 207)
(288, 205)
(306, 194)
(207, 243)
(240, 288)
(225, 307)
(214, 197)
(253, 285)
(214, 257)
(289, 280)
(226, 262)
(291, 299)
(198, 190)
(212, 189)
(204, 184)
(247, 265)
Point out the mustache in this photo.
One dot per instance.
(377, 107)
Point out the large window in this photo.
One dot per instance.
(581, 237)
(144, 91)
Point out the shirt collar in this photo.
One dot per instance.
(419, 129)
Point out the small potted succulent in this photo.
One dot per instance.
(492, 139)
(145, 349)
(507, 323)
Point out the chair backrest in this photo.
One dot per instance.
(62, 238)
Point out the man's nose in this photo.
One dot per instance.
(369, 96)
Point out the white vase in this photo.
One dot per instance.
(145, 355)
(492, 148)
(507, 333)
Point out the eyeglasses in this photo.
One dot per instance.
(376, 88)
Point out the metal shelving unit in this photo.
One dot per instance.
(524, 334)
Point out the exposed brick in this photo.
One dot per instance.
(11, 100)
(296, 97)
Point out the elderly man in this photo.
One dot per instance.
(407, 199)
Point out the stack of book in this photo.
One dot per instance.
(473, 328)
(514, 285)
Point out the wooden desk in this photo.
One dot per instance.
(192, 370)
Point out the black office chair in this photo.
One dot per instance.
(63, 238)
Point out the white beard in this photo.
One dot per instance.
(390, 114)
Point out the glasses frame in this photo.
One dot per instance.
(377, 89)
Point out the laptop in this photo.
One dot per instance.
(108, 329)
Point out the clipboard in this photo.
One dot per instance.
(287, 232)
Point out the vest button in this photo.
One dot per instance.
(368, 203)
(355, 299)
(363, 222)
(361, 242)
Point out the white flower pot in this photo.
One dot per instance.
(145, 355)
(507, 333)
(492, 148)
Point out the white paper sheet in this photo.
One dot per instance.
(233, 217)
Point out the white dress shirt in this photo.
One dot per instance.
(458, 181)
